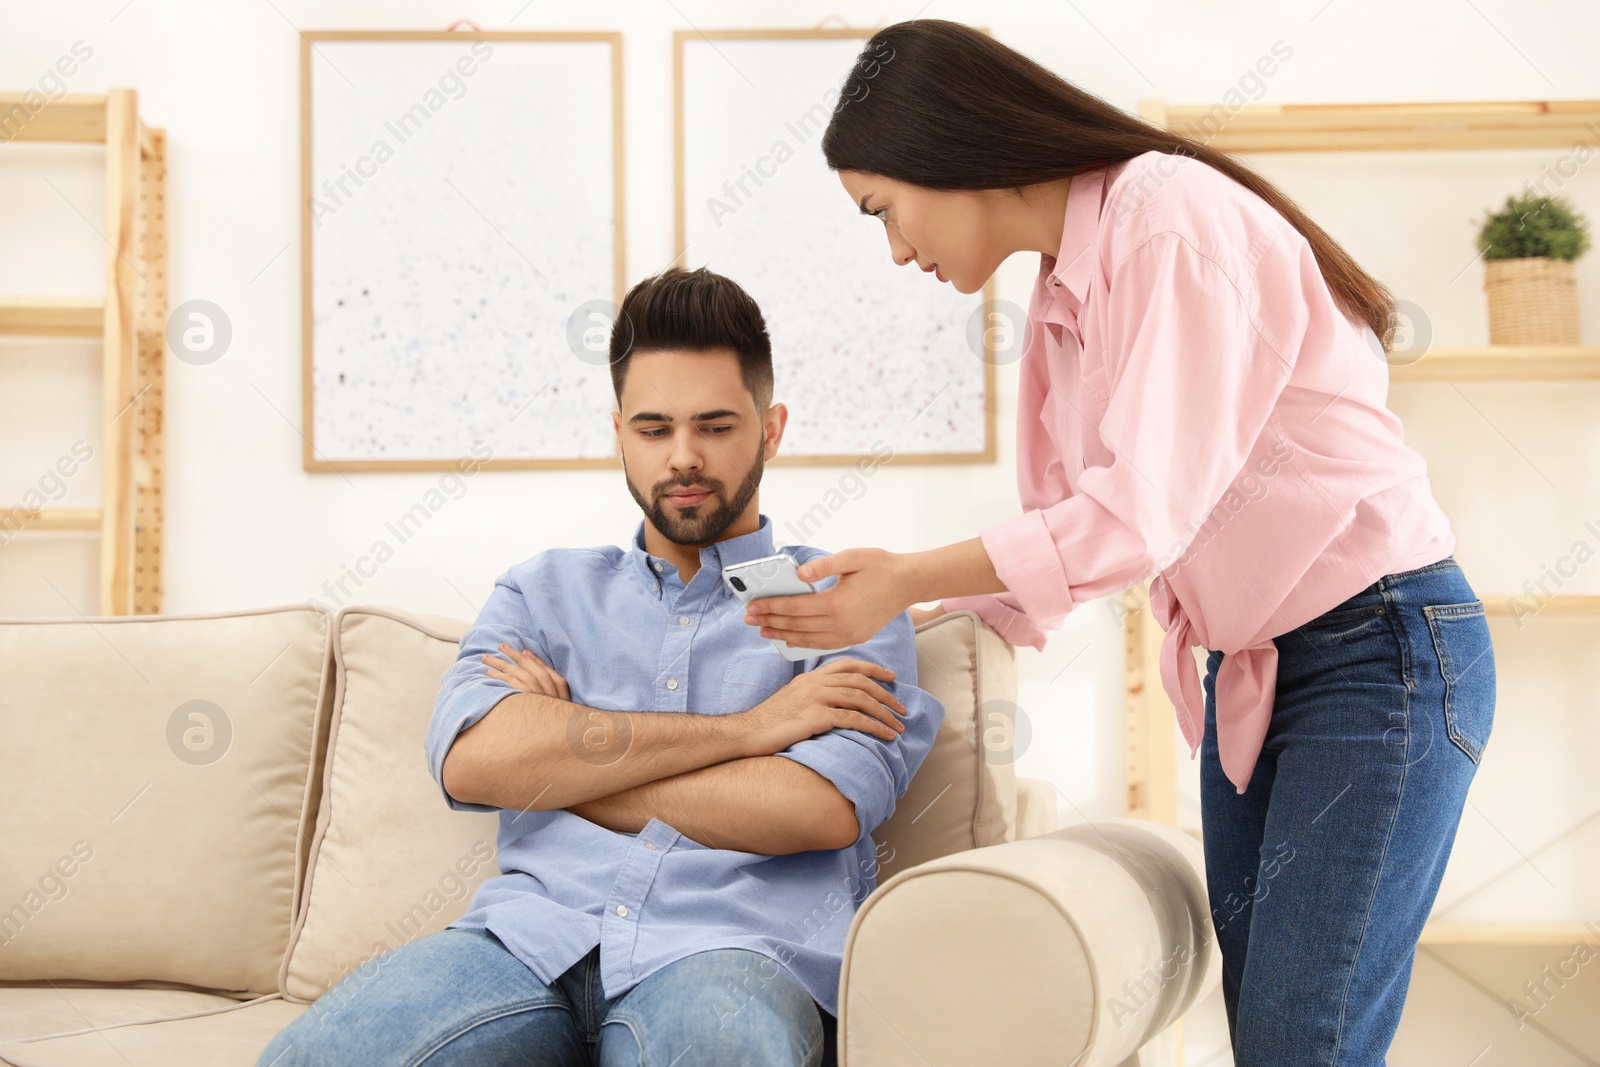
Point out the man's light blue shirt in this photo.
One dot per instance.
(628, 635)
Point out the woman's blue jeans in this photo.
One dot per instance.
(1322, 873)
(459, 996)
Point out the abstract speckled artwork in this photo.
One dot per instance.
(863, 349)
(461, 212)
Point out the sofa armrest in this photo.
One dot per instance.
(1076, 946)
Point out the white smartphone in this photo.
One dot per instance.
(776, 575)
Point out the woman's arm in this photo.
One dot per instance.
(874, 587)
(961, 569)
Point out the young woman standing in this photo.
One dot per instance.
(1202, 400)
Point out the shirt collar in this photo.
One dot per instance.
(1072, 265)
(716, 555)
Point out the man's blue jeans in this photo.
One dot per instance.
(459, 996)
(1322, 873)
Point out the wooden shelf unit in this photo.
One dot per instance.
(1556, 935)
(52, 316)
(1150, 727)
(1256, 128)
(1501, 363)
(130, 319)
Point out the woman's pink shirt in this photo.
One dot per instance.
(1194, 406)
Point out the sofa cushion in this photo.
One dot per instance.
(153, 1032)
(28, 1011)
(965, 793)
(157, 786)
(390, 860)
(1036, 806)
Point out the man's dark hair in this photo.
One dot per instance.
(695, 310)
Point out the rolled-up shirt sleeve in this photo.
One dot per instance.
(870, 772)
(467, 692)
(1192, 384)
(1005, 613)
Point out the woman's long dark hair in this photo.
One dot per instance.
(938, 104)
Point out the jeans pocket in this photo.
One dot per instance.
(1341, 624)
(1466, 662)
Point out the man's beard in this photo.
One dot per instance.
(702, 523)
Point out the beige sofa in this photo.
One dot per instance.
(210, 819)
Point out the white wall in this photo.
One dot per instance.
(246, 526)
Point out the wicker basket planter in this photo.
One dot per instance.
(1528, 247)
(1531, 301)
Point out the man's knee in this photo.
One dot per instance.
(321, 1033)
(759, 1036)
(729, 1005)
(391, 997)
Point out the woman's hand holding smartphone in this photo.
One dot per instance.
(775, 575)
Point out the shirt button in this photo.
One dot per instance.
(622, 909)
(672, 683)
(651, 845)
(658, 587)
(656, 563)
(1055, 281)
(683, 620)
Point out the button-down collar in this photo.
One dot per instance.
(716, 555)
(1070, 268)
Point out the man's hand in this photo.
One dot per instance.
(527, 673)
(838, 693)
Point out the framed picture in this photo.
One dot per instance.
(867, 356)
(462, 223)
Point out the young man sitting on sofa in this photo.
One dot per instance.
(684, 813)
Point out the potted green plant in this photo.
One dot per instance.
(1528, 247)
